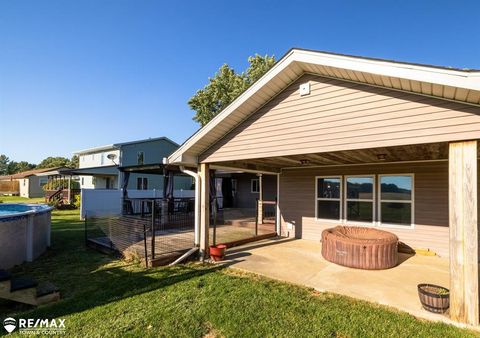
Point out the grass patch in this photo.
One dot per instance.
(18, 199)
(105, 296)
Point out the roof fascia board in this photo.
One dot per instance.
(447, 77)
(95, 149)
(145, 141)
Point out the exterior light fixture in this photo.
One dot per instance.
(381, 157)
(304, 162)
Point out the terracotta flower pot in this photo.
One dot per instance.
(217, 252)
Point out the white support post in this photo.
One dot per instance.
(260, 199)
(278, 218)
(464, 296)
(204, 170)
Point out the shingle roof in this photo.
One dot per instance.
(27, 173)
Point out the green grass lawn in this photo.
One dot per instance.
(106, 297)
(18, 199)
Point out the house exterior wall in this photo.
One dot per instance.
(430, 231)
(154, 152)
(97, 159)
(339, 115)
(34, 187)
(245, 198)
(24, 187)
(30, 187)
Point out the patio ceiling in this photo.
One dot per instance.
(421, 152)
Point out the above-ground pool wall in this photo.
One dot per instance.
(41, 234)
(430, 231)
(23, 238)
(13, 234)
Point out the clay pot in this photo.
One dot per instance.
(217, 252)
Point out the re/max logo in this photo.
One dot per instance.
(31, 323)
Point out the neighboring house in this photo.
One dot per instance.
(99, 166)
(144, 153)
(31, 182)
(102, 171)
(359, 141)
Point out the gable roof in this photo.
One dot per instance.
(27, 173)
(460, 85)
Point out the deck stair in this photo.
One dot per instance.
(26, 290)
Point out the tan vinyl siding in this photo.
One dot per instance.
(297, 202)
(339, 115)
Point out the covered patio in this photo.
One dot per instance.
(299, 261)
(364, 143)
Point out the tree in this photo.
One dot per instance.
(4, 164)
(74, 162)
(18, 167)
(226, 86)
(8, 167)
(51, 162)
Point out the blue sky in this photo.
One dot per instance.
(77, 74)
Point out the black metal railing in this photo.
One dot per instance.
(147, 229)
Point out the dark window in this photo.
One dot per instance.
(396, 188)
(255, 185)
(142, 183)
(328, 187)
(140, 158)
(328, 209)
(360, 211)
(360, 188)
(396, 199)
(328, 198)
(396, 213)
(359, 198)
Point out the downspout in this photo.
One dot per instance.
(197, 202)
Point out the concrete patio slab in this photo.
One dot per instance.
(301, 262)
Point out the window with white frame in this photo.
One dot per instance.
(255, 186)
(328, 198)
(396, 199)
(359, 198)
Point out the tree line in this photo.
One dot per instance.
(8, 167)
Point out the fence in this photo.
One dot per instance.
(153, 230)
(108, 202)
(9, 187)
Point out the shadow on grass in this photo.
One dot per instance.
(87, 278)
(114, 284)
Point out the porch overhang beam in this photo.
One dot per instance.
(247, 167)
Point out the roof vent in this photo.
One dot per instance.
(304, 89)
